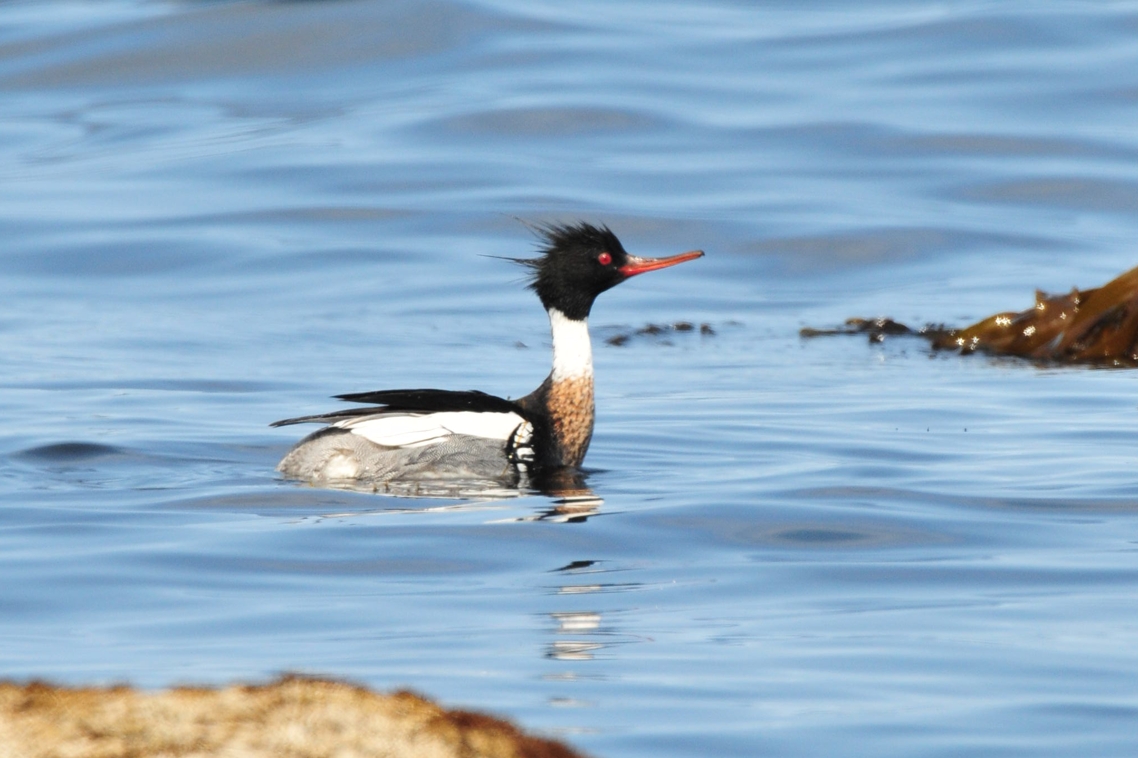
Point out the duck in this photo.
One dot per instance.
(424, 435)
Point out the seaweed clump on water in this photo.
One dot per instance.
(877, 329)
(659, 330)
(1097, 326)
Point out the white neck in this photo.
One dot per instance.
(572, 350)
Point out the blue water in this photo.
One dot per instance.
(216, 215)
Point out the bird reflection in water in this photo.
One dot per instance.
(573, 501)
(586, 623)
(573, 625)
(570, 498)
(580, 635)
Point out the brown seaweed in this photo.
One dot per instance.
(658, 330)
(1095, 326)
(877, 329)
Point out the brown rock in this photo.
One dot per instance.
(293, 717)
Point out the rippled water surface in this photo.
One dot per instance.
(215, 215)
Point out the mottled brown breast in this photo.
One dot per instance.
(571, 410)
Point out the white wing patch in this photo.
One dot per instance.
(405, 429)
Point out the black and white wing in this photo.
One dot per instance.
(416, 418)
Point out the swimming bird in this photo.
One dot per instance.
(413, 435)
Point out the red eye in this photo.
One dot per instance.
(604, 259)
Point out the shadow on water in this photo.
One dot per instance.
(69, 453)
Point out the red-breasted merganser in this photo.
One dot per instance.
(428, 434)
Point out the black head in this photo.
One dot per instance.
(580, 261)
